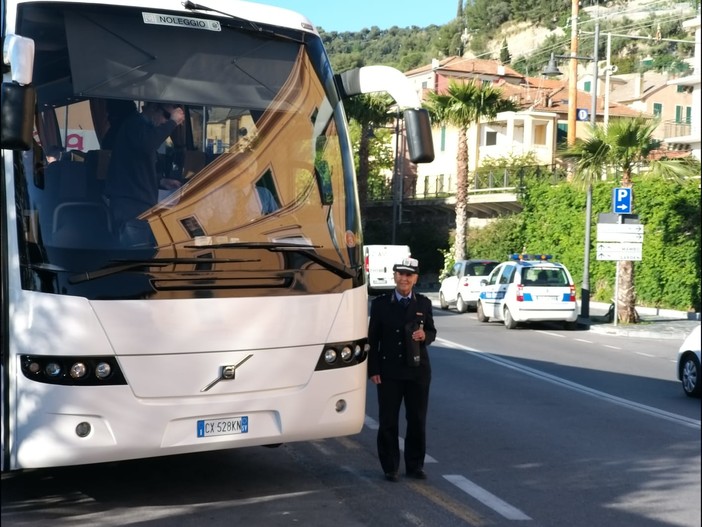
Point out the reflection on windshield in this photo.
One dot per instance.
(242, 150)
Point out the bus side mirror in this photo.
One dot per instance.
(419, 141)
(17, 97)
(16, 116)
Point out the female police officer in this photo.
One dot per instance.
(400, 329)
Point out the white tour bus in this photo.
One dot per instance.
(236, 316)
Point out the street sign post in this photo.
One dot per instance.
(619, 251)
(621, 200)
(620, 232)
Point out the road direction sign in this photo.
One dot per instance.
(620, 232)
(619, 251)
(621, 200)
(611, 217)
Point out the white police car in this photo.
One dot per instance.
(528, 288)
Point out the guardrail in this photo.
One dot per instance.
(675, 129)
(483, 181)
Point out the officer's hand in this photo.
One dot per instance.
(177, 114)
(375, 379)
(419, 335)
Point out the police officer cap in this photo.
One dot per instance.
(408, 265)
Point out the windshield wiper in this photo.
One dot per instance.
(197, 7)
(119, 266)
(253, 25)
(306, 250)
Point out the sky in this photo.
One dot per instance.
(354, 15)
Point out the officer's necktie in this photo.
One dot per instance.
(404, 301)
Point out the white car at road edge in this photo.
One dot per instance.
(688, 364)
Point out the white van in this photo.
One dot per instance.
(378, 262)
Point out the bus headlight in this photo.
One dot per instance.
(72, 370)
(342, 354)
(346, 353)
(53, 369)
(103, 370)
(78, 370)
(330, 355)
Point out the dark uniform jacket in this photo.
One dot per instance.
(389, 335)
(132, 172)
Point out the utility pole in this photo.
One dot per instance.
(573, 73)
(585, 289)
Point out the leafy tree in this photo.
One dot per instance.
(381, 160)
(371, 111)
(464, 104)
(625, 147)
(505, 57)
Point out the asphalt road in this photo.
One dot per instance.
(535, 426)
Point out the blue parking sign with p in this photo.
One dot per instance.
(621, 200)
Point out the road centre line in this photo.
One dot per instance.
(486, 498)
(532, 372)
(612, 347)
(644, 354)
(585, 341)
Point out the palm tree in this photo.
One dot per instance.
(625, 147)
(464, 104)
(370, 111)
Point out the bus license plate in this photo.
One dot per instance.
(223, 427)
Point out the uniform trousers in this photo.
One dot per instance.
(391, 393)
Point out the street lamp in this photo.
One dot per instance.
(551, 70)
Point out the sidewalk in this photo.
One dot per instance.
(654, 323)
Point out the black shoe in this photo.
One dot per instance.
(417, 474)
(392, 476)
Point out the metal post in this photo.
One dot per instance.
(585, 289)
(608, 72)
(395, 178)
(573, 74)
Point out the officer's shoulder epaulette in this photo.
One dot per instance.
(383, 297)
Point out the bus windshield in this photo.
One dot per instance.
(251, 194)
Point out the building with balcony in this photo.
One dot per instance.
(689, 135)
(536, 129)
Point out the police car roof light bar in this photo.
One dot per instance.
(523, 256)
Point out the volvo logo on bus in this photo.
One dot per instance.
(226, 373)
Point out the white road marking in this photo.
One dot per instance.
(549, 333)
(583, 340)
(612, 347)
(486, 498)
(644, 354)
(532, 372)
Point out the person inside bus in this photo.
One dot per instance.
(118, 111)
(400, 329)
(133, 180)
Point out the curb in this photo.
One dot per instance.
(618, 331)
